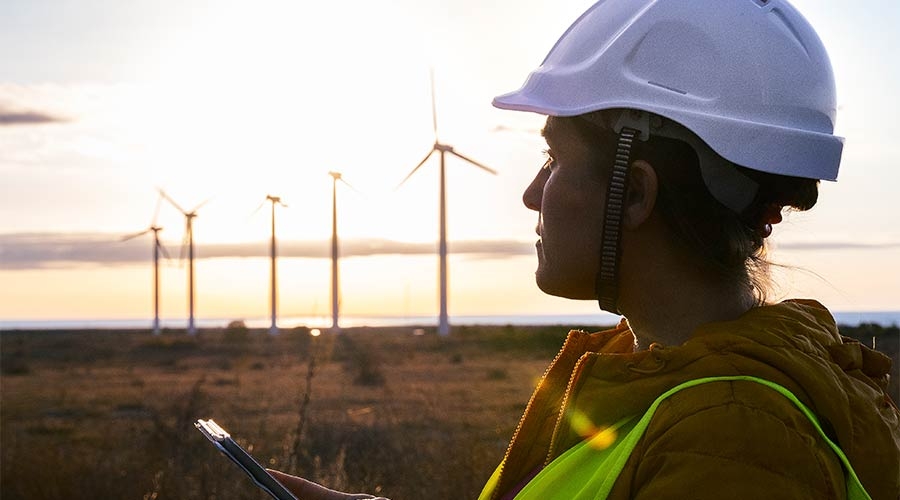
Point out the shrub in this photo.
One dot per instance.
(364, 361)
(14, 366)
(236, 331)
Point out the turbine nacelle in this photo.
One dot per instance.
(275, 199)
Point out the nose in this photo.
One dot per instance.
(534, 193)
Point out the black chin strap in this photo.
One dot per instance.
(607, 284)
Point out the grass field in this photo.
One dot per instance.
(109, 414)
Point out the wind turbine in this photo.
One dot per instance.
(443, 149)
(189, 236)
(273, 329)
(335, 294)
(157, 248)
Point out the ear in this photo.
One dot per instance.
(643, 186)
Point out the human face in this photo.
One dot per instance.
(569, 196)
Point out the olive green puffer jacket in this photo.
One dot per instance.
(732, 439)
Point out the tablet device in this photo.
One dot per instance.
(238, 455)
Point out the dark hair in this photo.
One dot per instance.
(727, 246)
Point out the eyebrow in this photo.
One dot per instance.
(547, 131)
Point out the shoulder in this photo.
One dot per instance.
(735, 439)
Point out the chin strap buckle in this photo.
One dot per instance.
(636, 120)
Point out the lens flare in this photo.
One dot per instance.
(598, 437)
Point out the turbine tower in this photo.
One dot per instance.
(443, 149)
(189, 237)
(273, 329)
(335, 290)
(157, 248)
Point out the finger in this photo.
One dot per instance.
(307, 490)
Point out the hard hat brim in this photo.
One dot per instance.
(769, 148)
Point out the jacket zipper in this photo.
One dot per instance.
(561, 417)
(515, 435)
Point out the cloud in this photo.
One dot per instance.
(12, 118)
(50, 103)
(62, 250)
(47, 250)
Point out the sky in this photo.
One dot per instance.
(220, 103)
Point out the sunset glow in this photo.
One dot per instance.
(224, 103)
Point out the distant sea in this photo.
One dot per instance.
(883, 318)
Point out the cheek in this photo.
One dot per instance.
(572, 219)
(573, 208)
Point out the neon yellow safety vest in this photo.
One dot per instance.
(586, 473)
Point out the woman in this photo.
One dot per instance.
(678, 132)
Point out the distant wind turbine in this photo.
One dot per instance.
(189, 237)
(157, 248)
(444, 323)
(273, 329)
(335, 290)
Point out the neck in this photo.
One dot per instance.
(671, 315)
(665, 298)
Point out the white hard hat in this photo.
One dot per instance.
(750, 77)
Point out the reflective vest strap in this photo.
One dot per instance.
(603, 468)
(489, 487)
(855, 489)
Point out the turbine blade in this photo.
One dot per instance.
(433, 106)
(184, 243)
(194, 210)
(414, 170)
(170, 200)
(473, 162)
(357, 191)
(258, 208)
(162, 249)
(159, 200)
(135, 235)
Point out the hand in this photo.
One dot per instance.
(308, 490)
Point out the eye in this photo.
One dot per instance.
(550, 163)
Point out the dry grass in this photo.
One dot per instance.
(110, 414)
